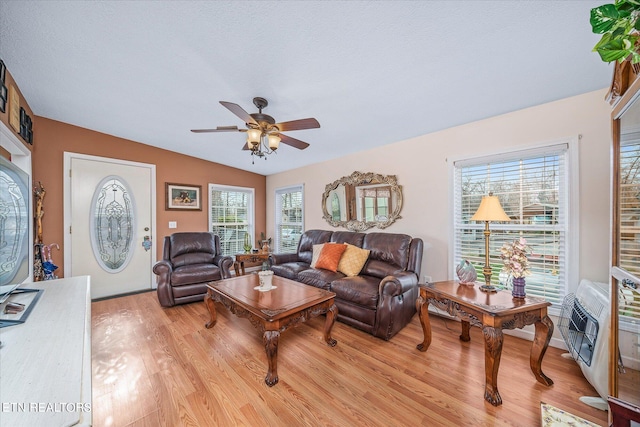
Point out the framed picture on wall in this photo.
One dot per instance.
(183, 197)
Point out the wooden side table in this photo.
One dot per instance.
(492, 313)
(250, 257)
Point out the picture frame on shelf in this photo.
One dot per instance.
(180, 197)
(26, 126)
(3, 97)
(14, 108)
(3, 89)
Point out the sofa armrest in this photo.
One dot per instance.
(275, 259)
(163, 269)
(224, 262)
(398, 284)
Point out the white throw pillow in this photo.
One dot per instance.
(316, 254)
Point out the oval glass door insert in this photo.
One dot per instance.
(14, 221)
(112, 224)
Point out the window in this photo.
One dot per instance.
(375, 202)
(532, 186)
(335, 207)
(231, 216)
(289, 218)
(629, 205)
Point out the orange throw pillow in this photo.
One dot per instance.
(330, 256)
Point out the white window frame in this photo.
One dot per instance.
(277, 247)
(572, 227)
(250, 209)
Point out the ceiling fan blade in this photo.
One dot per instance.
(218, 129)
(293, 142)
(300, 124)
(239, 111)
(246, 146)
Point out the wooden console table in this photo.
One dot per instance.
(45, 368)
(250, 257)
(492, 312)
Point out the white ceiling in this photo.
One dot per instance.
(372, 73)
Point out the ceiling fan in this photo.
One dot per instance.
(263, 133)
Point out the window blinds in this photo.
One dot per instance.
(231, 217)
(532, 188)
(289, 218)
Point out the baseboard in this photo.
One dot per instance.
(142, 291)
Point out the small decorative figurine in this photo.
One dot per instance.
(466, 273)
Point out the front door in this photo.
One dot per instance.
(110, 222)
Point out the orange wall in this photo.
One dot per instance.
(53, 138)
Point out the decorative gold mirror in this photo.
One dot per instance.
(362, 200)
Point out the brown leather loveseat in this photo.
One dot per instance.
(189, 261)
(381, 299)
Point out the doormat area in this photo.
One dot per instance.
(555, 417)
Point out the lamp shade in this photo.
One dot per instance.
(274, 142)
(253, 136)
(490, 210)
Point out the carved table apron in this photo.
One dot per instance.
(492, 312)
(272, 312)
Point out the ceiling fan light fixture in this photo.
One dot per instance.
(263, 132)
(253, 137)
(274, 142)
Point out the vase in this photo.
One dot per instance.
(265, 279)
(466, 273)
(247, 243)
(518, 287)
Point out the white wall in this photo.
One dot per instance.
(422, 167)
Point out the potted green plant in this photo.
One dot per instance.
(620, 28)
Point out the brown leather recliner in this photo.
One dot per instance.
(189, 261)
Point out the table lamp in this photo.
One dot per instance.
(489, 210)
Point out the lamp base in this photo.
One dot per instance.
(488, 289)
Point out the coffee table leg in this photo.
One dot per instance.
(211, 306)
(423, 313)
(466, 326)
(270, 339)
(544, 330)
(236, 267)
(493, 339)
(332, 314)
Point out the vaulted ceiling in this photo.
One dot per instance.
(371, 72)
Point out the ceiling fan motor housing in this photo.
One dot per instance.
(263, 120)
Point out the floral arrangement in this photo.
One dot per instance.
(514, 256)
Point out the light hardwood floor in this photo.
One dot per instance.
(162, 367)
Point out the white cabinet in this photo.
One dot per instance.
(45, 363)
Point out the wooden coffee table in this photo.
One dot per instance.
(492, 312)
(274, 311)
